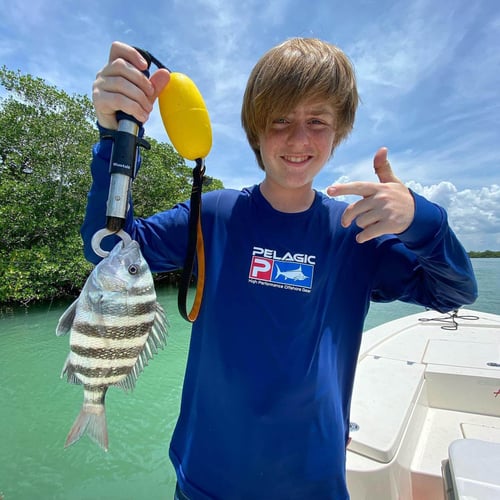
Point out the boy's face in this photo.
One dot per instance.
(296, 146)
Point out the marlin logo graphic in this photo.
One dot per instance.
(293, 274)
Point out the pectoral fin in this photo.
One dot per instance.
(66, 320)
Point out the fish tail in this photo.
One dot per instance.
(91, 421)
(279, 273)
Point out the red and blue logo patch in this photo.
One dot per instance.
(281, 272)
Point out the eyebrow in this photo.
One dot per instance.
(316, 110)
(321, 110)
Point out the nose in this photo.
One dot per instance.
(298, 134)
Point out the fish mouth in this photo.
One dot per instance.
(130, 250)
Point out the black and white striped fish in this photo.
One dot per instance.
(116, 327)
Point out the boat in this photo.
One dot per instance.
(425, 410)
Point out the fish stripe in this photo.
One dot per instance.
(77, 339)
(100, 363)
(103, 354)
(87, 364)
(131, 306)
(126, 310)
(94, 395)
(132, 295)
(97, 388)
(121, 329)
(94, 384)
(104, 374)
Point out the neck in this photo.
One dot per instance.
(288, 200)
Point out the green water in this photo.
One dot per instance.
(37, 408)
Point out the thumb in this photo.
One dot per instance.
(383, 168)
(159, 79)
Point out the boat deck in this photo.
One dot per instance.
(422, 382)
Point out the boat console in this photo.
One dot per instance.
(472, 470)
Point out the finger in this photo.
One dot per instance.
(119, 102)
(371, 232)
(363, 189)
(383, 168)
(121, 50)
(366, 218)
(360, 212)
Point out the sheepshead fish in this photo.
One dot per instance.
(116, 326)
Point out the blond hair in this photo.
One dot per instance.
(296, 70)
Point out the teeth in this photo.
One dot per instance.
(296, 159)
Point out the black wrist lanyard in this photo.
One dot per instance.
(195, 250)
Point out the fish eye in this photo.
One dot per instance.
(133, 269)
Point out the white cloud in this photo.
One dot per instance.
(474, 214)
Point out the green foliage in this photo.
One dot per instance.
(486, 254)
(44, 176)
(45, 151)
(163, 180)
(43, 271)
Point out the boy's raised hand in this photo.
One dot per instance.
(386, 207)
(121, 86)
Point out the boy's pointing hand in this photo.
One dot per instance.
(386, 207)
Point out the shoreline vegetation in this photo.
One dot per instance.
(163, 280)
(486, 254)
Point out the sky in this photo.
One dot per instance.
(428, 74)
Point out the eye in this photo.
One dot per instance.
(279, 122)
(318, 123)
(133, 269)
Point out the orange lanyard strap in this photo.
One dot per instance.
(195, 249)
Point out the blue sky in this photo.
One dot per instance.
(428, 74)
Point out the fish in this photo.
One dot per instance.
(295, 274)
(116, 326)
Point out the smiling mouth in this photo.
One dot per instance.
(296, 159)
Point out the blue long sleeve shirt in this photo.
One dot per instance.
(267, 390)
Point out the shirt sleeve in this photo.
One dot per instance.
(426, 264)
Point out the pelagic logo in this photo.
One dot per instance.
(291, 271)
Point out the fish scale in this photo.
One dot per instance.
(116, 326)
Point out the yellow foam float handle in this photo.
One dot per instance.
(185, 117)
